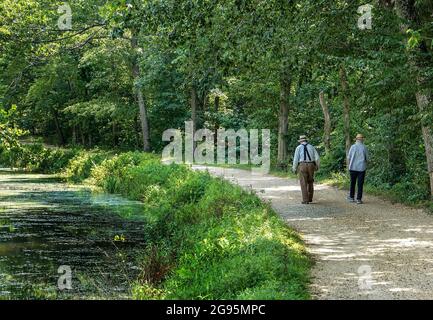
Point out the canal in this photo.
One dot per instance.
(65, 242)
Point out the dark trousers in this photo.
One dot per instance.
(357, 176)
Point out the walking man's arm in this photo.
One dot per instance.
(317, 159)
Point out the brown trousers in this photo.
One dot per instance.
(306, 178)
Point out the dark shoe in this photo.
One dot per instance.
(350, 199)
(359, 202)
(304, 202)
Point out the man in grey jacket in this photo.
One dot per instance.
(357, 160)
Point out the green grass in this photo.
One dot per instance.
(208, 239)
(211, 240)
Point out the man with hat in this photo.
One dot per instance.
(307, 160)
(357, 160)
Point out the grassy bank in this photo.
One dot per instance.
(209, 239)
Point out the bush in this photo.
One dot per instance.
(37, 158)
(80, 167)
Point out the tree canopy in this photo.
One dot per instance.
(126, 70)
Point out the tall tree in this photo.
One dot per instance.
(139, 92)
(283, 117)
(417, 17)
(327, 126)
(346, 107)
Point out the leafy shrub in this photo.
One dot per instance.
(109, 173)
(207, 238)
(37, 158)
(80, 167)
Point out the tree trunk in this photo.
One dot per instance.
(58, 128)
(285, 83)
(423, 101)
(83, 141)
(194, 108)
(74, 134)
(216, 125)
(327, 127)
(419, 60)
(114, 130)
(137, 123)
(346, 108)
(140, 98)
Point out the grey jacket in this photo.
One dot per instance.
(358, 157)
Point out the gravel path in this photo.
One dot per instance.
(377, 250)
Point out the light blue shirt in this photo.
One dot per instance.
(299, 155)
(358, 157)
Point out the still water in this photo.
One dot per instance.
(46, 225)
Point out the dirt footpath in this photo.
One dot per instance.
(377, 250)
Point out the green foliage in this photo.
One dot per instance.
(109, 174)
(78, 87)
(9, 135)
(208, 238)
(37, 158)
(236, 254)
(80, 166)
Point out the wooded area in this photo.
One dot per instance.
(127, 70)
